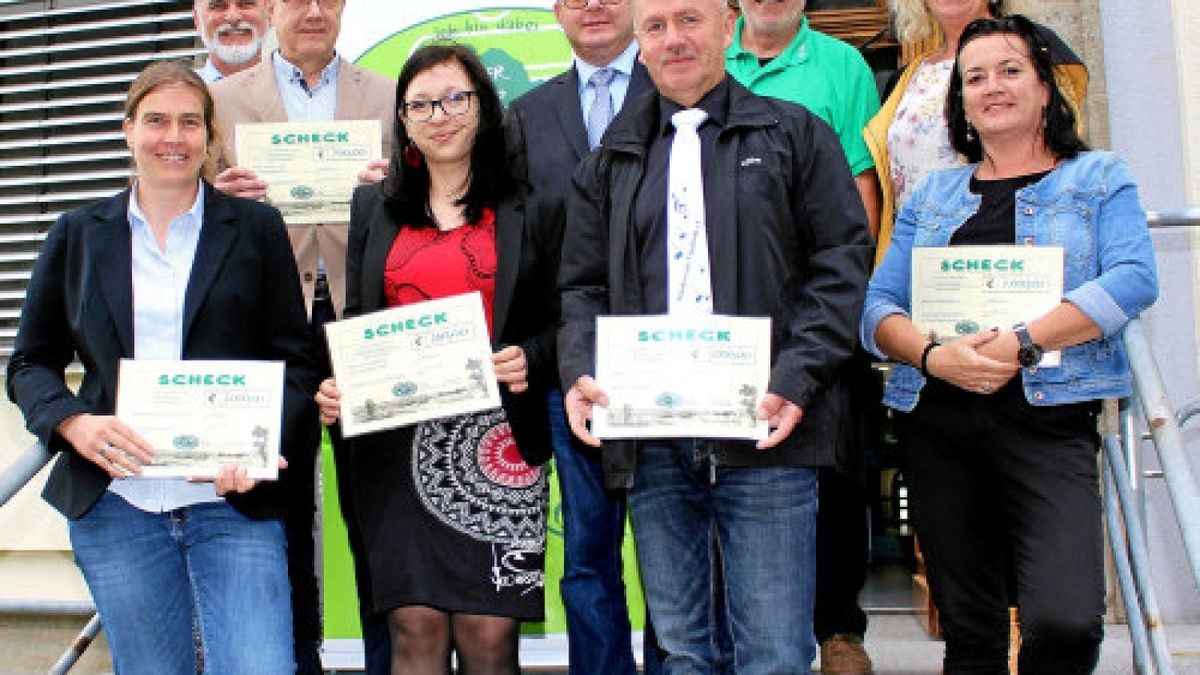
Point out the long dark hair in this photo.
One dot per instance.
(1061, 136)
(406, 188)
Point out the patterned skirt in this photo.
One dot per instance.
(452, 517)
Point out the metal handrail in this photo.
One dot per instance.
(1124, 492)
(1189, 217)
(78, 647)
(1187, 412)
(1168, 440)
(15, 477)
(1138, 634)
(23, 470)
(1131, 554)
(1124, 511)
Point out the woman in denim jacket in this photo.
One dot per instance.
(1001, 446)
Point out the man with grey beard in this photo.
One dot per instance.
(233, 31)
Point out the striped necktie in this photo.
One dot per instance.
(601, 112)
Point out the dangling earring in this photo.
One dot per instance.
(970, 132)
(412, 156)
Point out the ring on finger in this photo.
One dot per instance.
(985, 386)
(112, 453)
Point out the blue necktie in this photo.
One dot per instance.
(601, 112)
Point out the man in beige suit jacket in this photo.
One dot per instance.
(254, 96)
(306, 80)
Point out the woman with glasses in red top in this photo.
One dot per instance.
(453, 510)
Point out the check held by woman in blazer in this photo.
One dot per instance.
(453, 510)
(167, 269)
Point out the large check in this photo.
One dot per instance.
(200, 415)
(959, 290)
(409, 364)
(311, 168)
(673, 376)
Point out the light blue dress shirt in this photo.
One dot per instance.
(160, 279)
(303, 101)
(209, 72)
(623, 64)
(307, 103)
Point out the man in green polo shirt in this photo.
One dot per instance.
(775, 53)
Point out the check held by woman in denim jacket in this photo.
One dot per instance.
(1089, 206)
(1001, 444)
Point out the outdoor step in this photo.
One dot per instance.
(897, 644)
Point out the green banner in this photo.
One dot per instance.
(519, 47)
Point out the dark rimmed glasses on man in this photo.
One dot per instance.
(453, 104)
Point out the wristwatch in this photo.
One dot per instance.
(1030, 353)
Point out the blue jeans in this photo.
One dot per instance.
(593, 592)
(153, 574)
(764, 519)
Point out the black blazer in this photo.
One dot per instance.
(546, 126)
(525, 298)
(243, 301)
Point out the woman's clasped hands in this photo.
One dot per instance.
(970, 362)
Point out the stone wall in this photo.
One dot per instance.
(1077, 22)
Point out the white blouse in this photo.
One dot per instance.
(918, 138)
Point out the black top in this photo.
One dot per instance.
(650, 210)
(996, 220)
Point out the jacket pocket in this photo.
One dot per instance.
(1070, 223)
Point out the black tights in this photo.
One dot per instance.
(423, 638)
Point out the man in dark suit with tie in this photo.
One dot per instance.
(555, 126)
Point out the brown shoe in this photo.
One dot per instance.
(844, 653)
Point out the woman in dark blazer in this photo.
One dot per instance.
(453, 510)
(167, 269)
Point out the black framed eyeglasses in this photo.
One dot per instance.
(582, 4)
(453, 104)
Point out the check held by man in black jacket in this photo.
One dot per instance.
(786, 237)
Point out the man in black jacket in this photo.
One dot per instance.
(555, 126)
(786, 238)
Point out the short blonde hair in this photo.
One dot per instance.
(914, 22)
